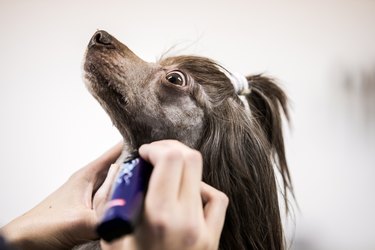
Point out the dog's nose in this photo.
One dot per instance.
(101, 38)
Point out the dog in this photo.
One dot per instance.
(235, 122)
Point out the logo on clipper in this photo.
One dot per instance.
(116, 202)
(126, 171)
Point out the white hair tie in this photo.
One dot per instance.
(240, 83)
(241, 87)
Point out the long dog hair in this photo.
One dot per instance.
(241, 146)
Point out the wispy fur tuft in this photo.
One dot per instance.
(268, 103)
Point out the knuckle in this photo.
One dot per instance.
(194, 156)
(222, 198)
(171, 154)
(190, 232)
(159, 223)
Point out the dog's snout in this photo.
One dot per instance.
(101, 38)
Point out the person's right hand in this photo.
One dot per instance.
(181, 212)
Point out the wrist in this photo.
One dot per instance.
(14, 235)
(22, 233)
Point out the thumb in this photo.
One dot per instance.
(98, 205)
(102, 194)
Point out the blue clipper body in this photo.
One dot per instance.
(126, 203)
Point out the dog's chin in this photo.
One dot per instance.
(110, 99)
(102, 87)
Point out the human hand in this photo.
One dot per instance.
(180, 212)
(68, 216)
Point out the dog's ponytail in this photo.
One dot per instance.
(267, 102)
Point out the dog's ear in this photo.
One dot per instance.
(267, 104)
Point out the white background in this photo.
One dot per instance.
(322, 52)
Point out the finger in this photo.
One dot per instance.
(215, 206)
(165, 180)
(106, 187)
(192, 176)
(152, 157)
(104, 191)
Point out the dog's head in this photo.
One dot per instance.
(192, 99)
(152, 101)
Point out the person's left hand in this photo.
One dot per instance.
(67, 217)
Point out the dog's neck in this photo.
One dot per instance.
(126, 150)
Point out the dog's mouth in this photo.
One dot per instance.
(112, 70)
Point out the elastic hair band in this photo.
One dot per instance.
(240, 83)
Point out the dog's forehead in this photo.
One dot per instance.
(191, 62)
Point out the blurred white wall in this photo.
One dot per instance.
(323, 52)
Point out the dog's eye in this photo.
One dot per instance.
(176, 77)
